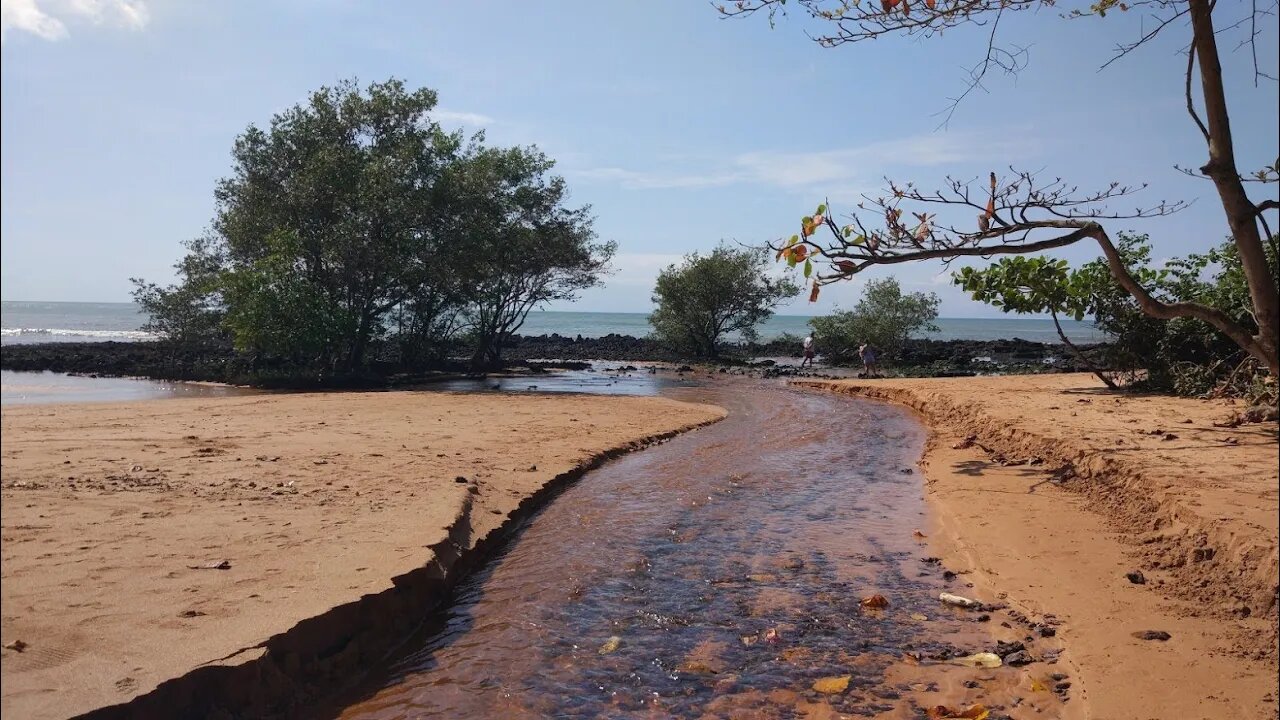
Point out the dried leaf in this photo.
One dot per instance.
(813, 294)
(610, 645)
(918, 535)
(973, 712)
(800, 252)
(846, 266)
(1038, 685)
(832, 685)
(931, 4)
(991, 207)
(874, 602)
(918, 617)
(993, 183)
(982, 659)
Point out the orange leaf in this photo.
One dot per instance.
(888, 5)
(875, 602)
(846, 266)
(991, 207)
(931, 4)
(799, 252)
(813, 294)
(993, 183)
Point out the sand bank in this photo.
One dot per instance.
(247, 542)
(1048, 490)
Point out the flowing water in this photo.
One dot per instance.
(716, 575)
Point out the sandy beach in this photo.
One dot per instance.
(143, 541)
(1047, 492)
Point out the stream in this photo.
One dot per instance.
(719, 574)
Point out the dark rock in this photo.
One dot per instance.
(1008, 648)
(1152, 635)
(1136, 577)
(1047, 631)
(1022, 657)
(459, 479)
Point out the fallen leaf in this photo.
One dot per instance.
(832, 685)
(911, 658)
(982, 659)
(220, 565)
(918, 535)
(973, 712)
(918, 617)
(1038, 686)
(610, 645)
(16, 646)
(874, 602)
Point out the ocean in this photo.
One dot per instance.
(35, 322)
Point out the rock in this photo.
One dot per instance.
(1008, 648)
(1061, 686)
(16, 646)
(1022, 657)
(1047, 631)
(190, 613)
(136, 468)
(1152, 635)
(1058, 676)
(459, 479)
(1136, 577)
(957, 601)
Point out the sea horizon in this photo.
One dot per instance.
(36, 321)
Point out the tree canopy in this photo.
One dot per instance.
(706, 296)
(354, 218)
(1020, 211)
(883, 318)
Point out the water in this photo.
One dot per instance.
(28, 322)
(28, 388)
(717, 575)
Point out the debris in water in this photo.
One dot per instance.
(958, 601)
(918, 617)
(982, 659)
(832, 685)
(918, 535)
(973, 712)
(874, 602)
(610, 645)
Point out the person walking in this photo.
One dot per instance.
(809, 351)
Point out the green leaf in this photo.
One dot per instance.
(808, 267)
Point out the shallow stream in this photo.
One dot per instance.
(717, 575)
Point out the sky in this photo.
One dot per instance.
(681, 129)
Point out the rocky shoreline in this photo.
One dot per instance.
(919, 358)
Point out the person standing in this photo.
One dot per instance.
(809, 351)
(869, 364)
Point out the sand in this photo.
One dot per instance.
(330, 507)
(1047, 490)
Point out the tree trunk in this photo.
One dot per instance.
(1242, 214)
(1080, 355)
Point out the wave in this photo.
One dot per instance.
(68, 332)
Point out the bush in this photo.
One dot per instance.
(884, 318)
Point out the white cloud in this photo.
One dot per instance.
(854, 167)
(463, 118)
(47, 19)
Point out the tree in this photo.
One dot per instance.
(1024, 213)
(517, 245)
(327, 216)
(707, 296)
(1041, 285)
(883, 318)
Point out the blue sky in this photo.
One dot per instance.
(678, 127)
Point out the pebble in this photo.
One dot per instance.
(1152, 635)
(1136, 577)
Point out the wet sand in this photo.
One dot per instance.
(1047, 491)
(143, 541)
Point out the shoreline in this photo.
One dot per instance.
(288, 650)
(1036, 517)
(920, 357)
